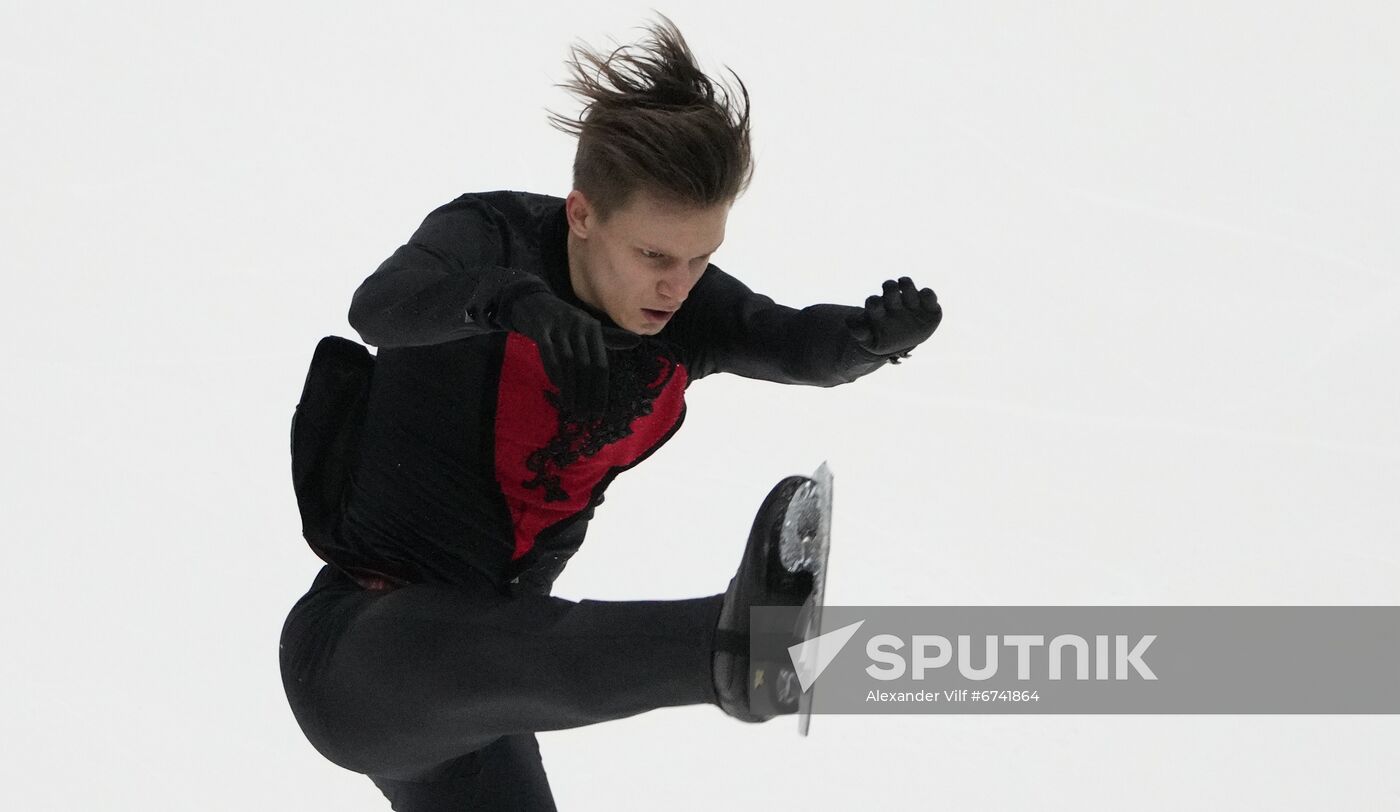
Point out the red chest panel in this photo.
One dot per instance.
(547, 468)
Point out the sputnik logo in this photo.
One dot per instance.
(812, 656)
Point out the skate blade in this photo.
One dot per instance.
(804, 546)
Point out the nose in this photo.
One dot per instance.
(673, 288)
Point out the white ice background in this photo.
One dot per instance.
(1164, 234)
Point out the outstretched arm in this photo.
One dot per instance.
(729, 328)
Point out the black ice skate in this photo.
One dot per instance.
(783, 565)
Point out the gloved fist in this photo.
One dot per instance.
(894, 323)
(573, 346)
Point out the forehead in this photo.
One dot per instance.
(672, 229)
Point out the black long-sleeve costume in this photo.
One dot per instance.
(431, 652)
(465, 462)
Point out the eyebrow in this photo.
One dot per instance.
(656, 250)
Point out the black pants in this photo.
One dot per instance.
(436, 692)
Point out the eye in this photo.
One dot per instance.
(651, 254)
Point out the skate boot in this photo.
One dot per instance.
(758, 691)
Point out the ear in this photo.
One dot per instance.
(580, 213)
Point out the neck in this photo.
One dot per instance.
(577, 277)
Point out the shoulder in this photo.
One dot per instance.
(714, 301)
(716, 289)
(520, 224)
(520, 209)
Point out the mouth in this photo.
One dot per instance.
(658, 315)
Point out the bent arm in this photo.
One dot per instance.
(443, 284)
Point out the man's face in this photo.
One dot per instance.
(640, 265)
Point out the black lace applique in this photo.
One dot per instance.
(635, 378)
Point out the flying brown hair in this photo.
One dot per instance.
(656, 124)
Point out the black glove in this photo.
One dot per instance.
(898, 321)
(573, 346)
